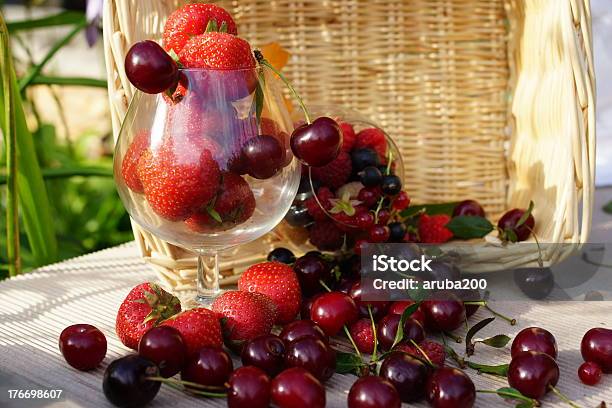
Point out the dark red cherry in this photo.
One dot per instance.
(399, 306)
(165, 347)
(332, 310)
(83, 346)
(509, 221)
(378, 307)
(318, 143)
(534, 339)
(306, 306)
(313, 355)
(469, 207)
(248, 387)
(596, 346)
(208, 366)
(589, 373)
(533, 373)
(126, 383)
(262, 156)
(387, 330)
(407, 374)
(265, 352)
(149, 68)
(297, 388)
(444, 314)
(302, 328)
(450, 387)
(310, 270)
(373, 392)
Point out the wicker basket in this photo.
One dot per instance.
(487, 99)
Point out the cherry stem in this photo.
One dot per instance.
(535, 237)
(373, 357)
(563, 397)
(260, 58)
(348, 334)
(425, 356)
(456, 338)
(181, 385)
(389, 162)
(324, 285)
(508, 319)
(535, 403)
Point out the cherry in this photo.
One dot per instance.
(364, 220)
(469, 207)
(297, 215)
(589, 373)
(345, 285)
(83, 346)
(407, 374)
(318, 143)
(373, 392)
(359, 245)
(282, 255)
(444, 314)
(379, 233)
(313, 355)
(208, 366)
(332, 310)
(596, 346)
(536, 283)
(262, 156)
(383, 217)
(248, 386)
(306, 306)
(370, 176)
(391, 185)
(149, 68)
(265, 352)
(387, 330)
(302, 328)
(310, 270)
(401, 201)
(533, 373)
(534, 339)
(165, 347)
(399, 306)
(397, 231)
(450, 387)
(362, 158)
(126, 382)
(508, 222)
(297, 388)
(369, 195)
(378, 308)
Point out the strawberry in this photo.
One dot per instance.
(373, 138)
(432, 229)
(233, 205)
(279, 282)
(191, 20)
(326, 236)
(348, 136)
(144, 307)
(179, 179)
(324, 195)
(434, 351)
(246, 315)
(336, 173)
(130, 161)
(199, 327)
(363, 335)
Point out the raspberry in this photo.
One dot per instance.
(363, 335)
(432, 229)
(433, 350)
(373, 138)
(335, 174)
(348, 136)
(326, 236)
(324, 194)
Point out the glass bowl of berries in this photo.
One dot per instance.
(203, 158)
(357, 197)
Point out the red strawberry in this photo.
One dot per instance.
(348, 136)
(144, 307)
(324, 194)
(199, 328)
(279, 282)
(433, 350)
(363, 335)
(191, 20)
(247, 314)
(130, 161)
(335, 174)
(432, 229)
(373, 138)
(326, 236)
(234, 204)
(179, 179)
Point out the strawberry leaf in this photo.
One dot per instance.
(469, 226)
(212, 26)
(399, 335)
(223, 28)
(469, 345)
(429, 209)
(525, 215)
(348, 363)
(608, 208)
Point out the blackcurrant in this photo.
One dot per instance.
(397, 230)
(362, 158)
(282, 255)
(370, 176)
(391, 185)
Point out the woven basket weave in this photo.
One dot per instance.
(487, 99)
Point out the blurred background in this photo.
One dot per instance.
(59, 66)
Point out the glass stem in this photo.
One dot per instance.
(208, 277)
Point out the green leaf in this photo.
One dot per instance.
(223, 28)
(497, 341)
(68, 81)
(469, 345)
(399, 335)
(514, 394)
(259, 96)
(469, 226)
(63, 18)
(211, 26)
(499, 370)
(525, 215)
(430, 209)
(65, 172)
(608, 208)
(348, 363)
(214, 214)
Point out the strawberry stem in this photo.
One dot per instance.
(262, 61)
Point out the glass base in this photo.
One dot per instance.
(206, 300)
